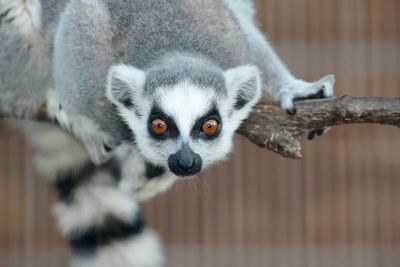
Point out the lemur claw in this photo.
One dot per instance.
(291, 111)
(316, 133)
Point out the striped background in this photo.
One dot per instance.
(339, 206)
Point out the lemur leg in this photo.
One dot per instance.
(23, 17)
(25, 70)
(279, 84)
(80, 73)
(96, 213)
(26, 73)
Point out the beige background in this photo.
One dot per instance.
(339, 206)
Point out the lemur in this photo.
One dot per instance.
(153, 90)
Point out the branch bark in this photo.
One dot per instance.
(269, 126)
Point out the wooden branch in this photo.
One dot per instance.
(269, 126)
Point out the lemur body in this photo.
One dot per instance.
(73, 45)
(169, 79)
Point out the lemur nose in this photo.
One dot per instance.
(185, 162)
(185, 158)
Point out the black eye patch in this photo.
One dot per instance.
(197, 131)
(171, 132)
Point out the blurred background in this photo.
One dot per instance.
(339, 206)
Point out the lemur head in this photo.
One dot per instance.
(184, 118)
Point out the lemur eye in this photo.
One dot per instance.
(210, 127)
(159, 126)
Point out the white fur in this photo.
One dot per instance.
(24, 16)
(143, 250)
(185, 102)
(239, 79)
(131, 77)
(244, 9)
(55, 150)
(133, 178)
(92, 203)
(154, 187)
(301, 88)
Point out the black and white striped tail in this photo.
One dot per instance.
(102, 222)
(100, 219)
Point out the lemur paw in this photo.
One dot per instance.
(317, 133)
(6, 15)
(98, 144)
(304, 90)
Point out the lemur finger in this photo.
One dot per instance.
(99, 151)
(287, 103)
(301, 90)
(107, 148)
(4, 13)
(317, 133)
(326, 85)
(327, 82)
(312, 135)
(320, 94)
(322, 88)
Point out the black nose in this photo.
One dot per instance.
(185, 162)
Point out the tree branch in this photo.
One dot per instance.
(269, 126)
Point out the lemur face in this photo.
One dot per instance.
(184, 126)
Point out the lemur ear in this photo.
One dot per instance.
(244, 86)
(125, 83)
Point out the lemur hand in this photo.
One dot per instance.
(304, 90)
(98, 144)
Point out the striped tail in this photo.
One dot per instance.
(95, 212)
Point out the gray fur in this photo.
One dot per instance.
(65, 59)
(26, 67)
(177, 67)
(24, 74)
(170, 40)
(137, 33)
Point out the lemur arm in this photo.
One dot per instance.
(278, 83)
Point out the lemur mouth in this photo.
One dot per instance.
(185, 162)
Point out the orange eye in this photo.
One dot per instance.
(210, 127)
(159, 126)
